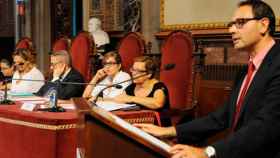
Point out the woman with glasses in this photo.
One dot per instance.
(25, 72)
(110, 74)
(146, 90)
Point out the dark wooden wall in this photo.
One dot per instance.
(7, 28)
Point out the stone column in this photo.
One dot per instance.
(41, 32)
(151, 22)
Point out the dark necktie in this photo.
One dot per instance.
(239, 104)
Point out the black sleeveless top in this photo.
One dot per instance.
(159, 85)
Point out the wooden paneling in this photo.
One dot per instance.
(7, 19)
(212, 94)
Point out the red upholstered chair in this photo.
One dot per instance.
(178, 49)
(26, 43)
(131, 46)
(81, 50)
(62, 43)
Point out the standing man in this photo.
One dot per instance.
(63, 72)
(253, 111)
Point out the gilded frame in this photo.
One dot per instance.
(202, 25)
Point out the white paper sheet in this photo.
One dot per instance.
(111, 106)
(67, 106)
(141, 133)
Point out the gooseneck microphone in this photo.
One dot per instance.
(166, 67)
(53, 92)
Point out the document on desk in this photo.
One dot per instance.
(31, 98)
(20, 94)
(141, 133)
(111, 106)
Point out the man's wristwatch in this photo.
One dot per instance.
(210, 152)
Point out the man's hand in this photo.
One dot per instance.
(59, 70)
(186, 151)
(157, 131)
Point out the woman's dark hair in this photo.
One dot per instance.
(7, 62)
(150, 64)
(261, 10)
(26, 54)
(113, 54)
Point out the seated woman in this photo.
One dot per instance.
(25, 70)
(7, 71)
(110, 74)
(146, 90)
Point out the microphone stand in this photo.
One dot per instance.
(6, 101)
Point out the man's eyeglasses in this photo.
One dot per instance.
(109, 64)
(240, 22)
(137, 71)
(54, 64)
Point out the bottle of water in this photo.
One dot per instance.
(52, 98)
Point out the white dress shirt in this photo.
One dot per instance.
(112, 92)
(20, 86)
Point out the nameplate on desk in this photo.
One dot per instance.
(28, 106)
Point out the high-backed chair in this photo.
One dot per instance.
(26, 43)
(132, 45)
(63, 43)
(81, 50)
(178, 49)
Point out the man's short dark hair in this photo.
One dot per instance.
(65, 55)
(261, 10)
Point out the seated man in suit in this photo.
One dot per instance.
(63, 72)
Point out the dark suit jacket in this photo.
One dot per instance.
(257, 134)
(66, 91)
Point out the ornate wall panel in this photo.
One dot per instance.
(61, 18)
(7, 19)
(116, 15)
(191, 14)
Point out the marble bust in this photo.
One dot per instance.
(100, 37)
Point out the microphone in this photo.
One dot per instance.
(5, 100)
(53, 93)
(169, 66)
(166, 67)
